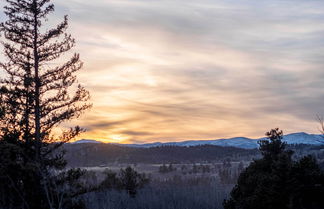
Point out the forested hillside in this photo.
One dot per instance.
(90, 154)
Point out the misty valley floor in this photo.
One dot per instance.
(167, 196)
(201, 181)
(187, 186)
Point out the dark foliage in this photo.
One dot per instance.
(173, 194)
(127, 179)
(131, 180)
(167, 169)
(276, 181)
(88, 154)
(35, 98)
(35, 93)
(79, 155)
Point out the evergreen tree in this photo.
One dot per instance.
(163, 168)
(127, 179)
(111, 181)
(131, 180)
(36, 92)
(276, 181)
(36, 96)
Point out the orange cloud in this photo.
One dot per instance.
(180, 70)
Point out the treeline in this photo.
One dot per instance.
(79, 155)
(88, 155)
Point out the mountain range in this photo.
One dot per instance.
(240, 142)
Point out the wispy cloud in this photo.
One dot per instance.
(174, 70)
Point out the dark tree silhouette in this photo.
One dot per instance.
(131, 180)
(111, 181)
(276, 181)
(36, 92)
(127, 179)
(36, 96)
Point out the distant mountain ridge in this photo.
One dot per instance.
(240, 142)
(85, 141)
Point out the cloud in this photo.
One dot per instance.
(136, 133)
(175, 69)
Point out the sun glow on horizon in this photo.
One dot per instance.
(182, 70)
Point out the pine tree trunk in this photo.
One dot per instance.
(37, 85)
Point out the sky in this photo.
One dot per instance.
(174, 70)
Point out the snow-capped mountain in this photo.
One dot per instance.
(86, 141)
(304, 138)
(240, 142)
(233, 142)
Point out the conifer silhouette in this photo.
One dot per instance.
(276, 181)
(37, 95)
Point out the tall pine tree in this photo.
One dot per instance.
(36, 92)
(37, 95)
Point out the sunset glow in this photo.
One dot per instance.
(177, 70)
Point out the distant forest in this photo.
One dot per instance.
(88, 155)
